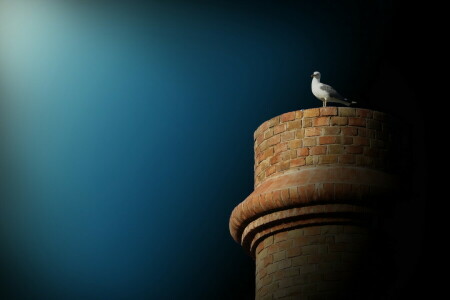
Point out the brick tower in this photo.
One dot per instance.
(320, 175)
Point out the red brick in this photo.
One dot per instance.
(328, 111)
(287, 116)
(286, 155)
(312, 131)
(318, 150)
(268, 153)
(303, 151)
(298, 162)
(295, 251)
(293, 153)
(268, 133)
(321, 121)
(279, 128)
(308, 142)
(299, 134)
(307, 122)
(339, 121)
(287, 136)
(274, 140)
(346, 112)
(294, 124)
(361, 122)
(280, 147)
(354, 149)
(294, 144)
(284, 165)
(274, 121)
(333, 130)
(335, 149)
(364, 113)
(350, 131)
(279, 237)
(313, 112)
(347, 140)
(325, 140)
(270, 170)
(275, 159)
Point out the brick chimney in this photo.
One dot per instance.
(320, 175)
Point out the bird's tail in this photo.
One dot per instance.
(348, 102)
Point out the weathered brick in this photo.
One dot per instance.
(321, 121)
(335, 149)
(313, 112)
(267, 260)
(299, 260)
(325, 140)
(281, 147)
(296, 124)
(284, 165)
(268, 133)
(294, 251)
(308, 142)
(299, 114)
(274, 140)
(312, 131)
(346, 112)
(298, 162)
(299, 134)
(364, 113)
(350, 131)
(275, 159)
(279, 128)
(281, 236)
(287, 136)
(283, 264)
(287, 116)
(294, 144)
(361, 122)
(270, 170)
(341, 121)
(303, 151)
(279, 256)
(317, 150)
(354, 149)
(332, 130)
(293, 153)
(307, 122)
(328, 111)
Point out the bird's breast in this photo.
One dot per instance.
(317, 91)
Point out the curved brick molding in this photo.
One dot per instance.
(318, 175)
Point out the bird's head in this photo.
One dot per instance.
(316, 75)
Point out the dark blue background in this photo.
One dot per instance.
(127, 131)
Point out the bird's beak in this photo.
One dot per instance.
(312, 75)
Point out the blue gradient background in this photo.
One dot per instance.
(127, 132)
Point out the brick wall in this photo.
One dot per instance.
(320, 136)
(319, 176)
(319, 262)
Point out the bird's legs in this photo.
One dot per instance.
(325, 103)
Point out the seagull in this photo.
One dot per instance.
(326, 93)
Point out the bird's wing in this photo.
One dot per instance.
(332, 92)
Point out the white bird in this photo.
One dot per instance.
(326, 93)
